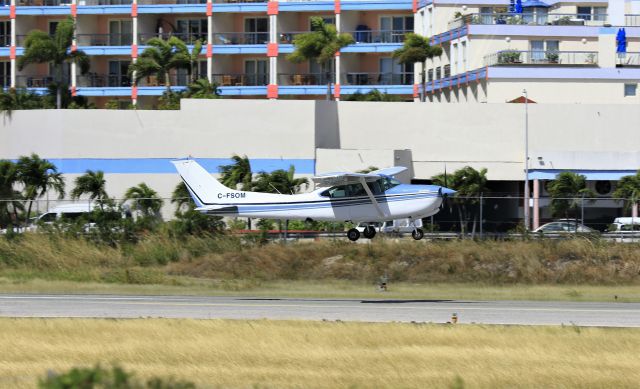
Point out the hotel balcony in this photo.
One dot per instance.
(366, 78)
(628, 59)
(530, 19)
(542, 58)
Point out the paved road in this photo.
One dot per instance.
(437, 311)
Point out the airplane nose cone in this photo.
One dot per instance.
(447, 191)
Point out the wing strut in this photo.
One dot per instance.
(372, 197)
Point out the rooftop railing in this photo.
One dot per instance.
(366, 78)
(238, 79)
(530, 19)
(629, 59)
(382, 36)
(104, 39)
(103, 2)
(542, 58)
(240, 38)
(305, 78)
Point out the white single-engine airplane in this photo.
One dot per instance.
(355, 197)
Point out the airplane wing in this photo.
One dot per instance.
(342, 178)
(390, 171)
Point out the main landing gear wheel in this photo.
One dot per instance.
(353, 234)
(369, 232)
(417, 234)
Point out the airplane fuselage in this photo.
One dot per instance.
(401, 201)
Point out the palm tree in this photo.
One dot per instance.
(416, 49)
(320, 45)
(202, 89)
(93, 184)
(39, 47)
(9, 197)
(146, 200)
(13, 99)
(628, 188)
(38, 176)
(469, 184)
(193, 60)
(567, 192)
(278, 181)
(238, 172)
(373, 95)
(182, 199)
(159, 58)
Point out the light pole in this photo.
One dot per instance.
(526, 160)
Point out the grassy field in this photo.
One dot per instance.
(576, 269)
(334, 289)
(287, 354)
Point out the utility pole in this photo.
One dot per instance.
(526, 160)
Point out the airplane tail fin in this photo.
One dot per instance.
(202, 186)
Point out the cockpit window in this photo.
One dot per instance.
(353, 190)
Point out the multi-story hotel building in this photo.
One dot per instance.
(560, 51)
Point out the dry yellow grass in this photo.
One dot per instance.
(271, 354)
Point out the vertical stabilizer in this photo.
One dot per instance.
(203, 187)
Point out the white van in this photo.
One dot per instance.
(68, 212)
(625, 224)
(393, 226)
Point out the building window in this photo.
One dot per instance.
(438, 73)
(464, 56)
(120, 32)
(5, 33)
(592, 13)
(190, 30)
(630, 90)
(430, 75)
(256, 30)
(256, 72)
(119, 74)
(5, 73)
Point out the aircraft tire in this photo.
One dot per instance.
(417, 234)
(369, 232)
(353, 234)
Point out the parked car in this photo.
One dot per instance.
(563, 226)
(625, 225)
(393, 226)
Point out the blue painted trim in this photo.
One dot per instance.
(242, 90)
(371, 48)
(104, 9)
(106, 50)
(307, 6)
(172, 8)
(375, 5)
(592, 175)
(104, 91)
(239, 7)
(239, 49)
(4, 11)
(583, 73)
(344, 89)
(156, 90)
(164, 166)
(44, 10)
(5, 51)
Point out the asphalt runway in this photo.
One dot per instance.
(369, 310)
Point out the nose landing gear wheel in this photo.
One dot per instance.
(369, 232)
(417, 234)
(353, 234)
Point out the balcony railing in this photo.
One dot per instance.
(240, 38)
(152, 2)
(288, 37)
(305, 78)
(628, 59)
(40, 3)
(240, 79)
(5, 40)
(240, 1)
(5, 81)
(384, 36)
(104, 39)
(632, 20)
(530, 19)
(542, 58)
(187, 37)
(103, 80)
(377, 78)
(38, 81)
